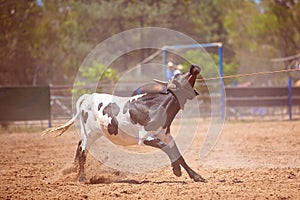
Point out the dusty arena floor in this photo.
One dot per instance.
(257, 160)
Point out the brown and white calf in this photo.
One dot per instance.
(140, 119)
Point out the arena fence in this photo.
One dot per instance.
(241, 102)
(55, 103)
(261, 99)
(26, 103)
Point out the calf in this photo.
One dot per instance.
(140, 119)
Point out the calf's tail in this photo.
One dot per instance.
(63, 128)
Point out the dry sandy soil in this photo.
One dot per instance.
(257, 160)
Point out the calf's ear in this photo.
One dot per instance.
(195, 69)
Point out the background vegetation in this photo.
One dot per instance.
(44, 42)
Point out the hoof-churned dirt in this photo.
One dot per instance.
(259, 160)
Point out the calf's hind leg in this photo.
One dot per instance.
(77, 152)
(175, 157)
(80, 158)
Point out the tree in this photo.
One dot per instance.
(46, 44)
(281, 21)
(16, 18)
(259, 31)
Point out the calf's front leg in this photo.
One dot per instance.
(175, 157)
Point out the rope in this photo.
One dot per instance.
(250, 74)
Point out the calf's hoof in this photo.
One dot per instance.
(177, 170)
(198, 178)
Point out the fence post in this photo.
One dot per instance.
(49, 96)
(290, 98)
(222, 95)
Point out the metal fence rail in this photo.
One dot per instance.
(262, 101)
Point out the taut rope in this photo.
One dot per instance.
(250, 74)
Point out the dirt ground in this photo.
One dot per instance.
(251, 160)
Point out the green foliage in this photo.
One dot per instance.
(270, 23)
(91, 75)
(98, 71)
(210, 65)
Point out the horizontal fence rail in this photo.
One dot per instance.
(261, 96)
(262, 101)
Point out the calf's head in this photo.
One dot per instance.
(181, 85)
